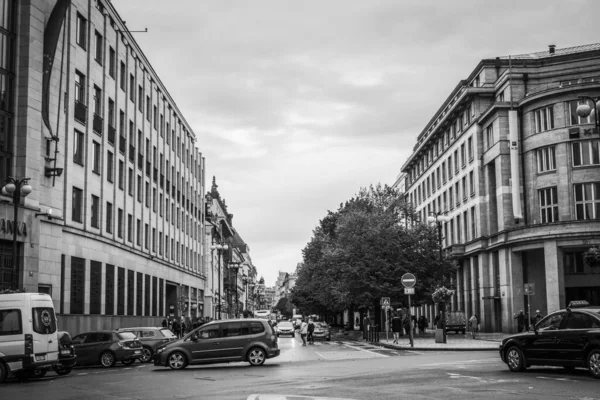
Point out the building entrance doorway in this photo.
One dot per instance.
(171, 297)
(7, 279)
(497, 315)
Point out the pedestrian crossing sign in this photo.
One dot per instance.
(385, 302)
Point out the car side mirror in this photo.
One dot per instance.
(195, 337)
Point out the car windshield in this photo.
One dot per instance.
(285, 325)
(322, 325)
(126, 335)
(167, 333)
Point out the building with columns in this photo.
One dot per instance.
(112, 228)
(515, 168)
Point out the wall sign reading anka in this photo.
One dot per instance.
(7, 226)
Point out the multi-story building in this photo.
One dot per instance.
(113, 225)
(516, 171)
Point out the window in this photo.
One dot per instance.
(76, 204)
(450, 167)
(473, 224)
(130, 183)
(131, 87)
(470, 148)
(463, 155)
(577, 320)
(109, 290)
(112, 62)
(587, 201)
(551, 322)
(546, 158)
(147, 194)
(146, 236)
(576, 119)
(111, 112)
(586, 153)
(79, 87)
(489, 135)
(109, 217)
(120, 223)
(573, 262)
(148, 105)
(456, 169)
(78, 147)
(121, 174)
(465, 189)
(140, 98)
(548, 205)
(139, 188)
(10, 322)
(472, 182)
(96, 157)
(155, 118)
(95, 211)
(97, 100)
(99, 50)
(129, 228)
(457, 192)
(138, 232)
(81, 31)
(123, 79)
(543, 119)
(444, 172)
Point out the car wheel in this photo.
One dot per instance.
(515, 359)
(177, 360)
(256, 356)
(2, 372)
(62, 370)
(107, 359)
(146, 355)
(128, 362)
(39, 373)
(593, 362)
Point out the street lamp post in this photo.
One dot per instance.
(16, 188)
(245, 283)
(235, 267)
(584, 110)
(221, 247)
(438, 218)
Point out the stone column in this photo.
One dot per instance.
(459, 291)
(555, 277)
(511, 263)
(487, 289)
(466, 278)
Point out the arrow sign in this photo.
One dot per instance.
(408, 280)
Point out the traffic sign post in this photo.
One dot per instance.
(385, 305)
(529, 289)
(408, 281)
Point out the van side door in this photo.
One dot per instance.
(236, 338)
(44, 332)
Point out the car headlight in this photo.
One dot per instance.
(160, 350)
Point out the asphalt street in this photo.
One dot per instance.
(327, 369)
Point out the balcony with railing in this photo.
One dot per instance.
(80, 112)
(97, 124)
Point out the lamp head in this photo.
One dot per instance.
(9, 188)
(584, 110)
(26, 189)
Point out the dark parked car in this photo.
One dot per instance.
(151, 339)
(322, 331)
(285, 328)
(106, 348)
(251, 340)
(569, 338)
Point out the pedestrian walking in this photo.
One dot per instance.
(183, 327)
(422, 324)
(413, 320)
(176, 328)
(310, 329)
(538, 317)
(165, 322)
(303, 332)
(520, 317)
(474, 325)
(396, 327)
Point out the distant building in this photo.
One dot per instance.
(517, 171)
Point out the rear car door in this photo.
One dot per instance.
(44, 332)
(575, 336)
(81, 348)
(235, 339)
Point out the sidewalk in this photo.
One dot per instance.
(454, 342)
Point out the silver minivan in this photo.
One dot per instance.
(28, 333)
(251, 340)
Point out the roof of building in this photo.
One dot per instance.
(557, 52)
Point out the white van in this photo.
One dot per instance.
(28, 333)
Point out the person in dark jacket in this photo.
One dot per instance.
(520, 317)
(396, 327)
(176, 328)
(311, 329)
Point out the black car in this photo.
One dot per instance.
(569, 338)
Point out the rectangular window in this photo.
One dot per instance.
(140, 98)
(546, 159)
(139, 188)
(129, 228)
(121, 174)
(81, 31)
(146, 236)
(112, 62)
(130, 291)
(489, 135)
(456, 169)
(138, 232)
(154, 240)
(450, 197)
(155, 118)
(132, 88)
(77, 285)
(77, 204)
(130, 183)
(109, 217)
(123, 77)
(573, 262)
(465, 189)
(457, 192)
(99, 46)
(95, 211)
(121, 291)
(97, 101)
(586, 153)
(472, 183)
(155, 297)
(154, 199)
(95, 287)
(109, 290)
(587, 201)
(473, 224)
(450, 167)
(109, 166)
(111, 112)
(543, 119)
(470, 148)
(576, 119)
(147, 293)
(80, 87)
(548, 205)
(160, 243)
(147, 194)
(463, 159)
(139, 293)
(120, 223)
(78, 144)
(148, 105)
(96, 157)
(444, 172)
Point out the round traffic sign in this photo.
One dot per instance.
(408, 280)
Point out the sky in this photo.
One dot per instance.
(297, 105)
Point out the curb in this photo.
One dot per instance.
(391, 346)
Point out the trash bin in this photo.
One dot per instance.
(439, 336)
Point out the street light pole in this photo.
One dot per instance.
(16, 188)
(220, 248)
(235, 266)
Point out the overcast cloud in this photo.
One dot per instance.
(296, 105)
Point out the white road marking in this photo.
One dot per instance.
(368, 351)
(415, 352)
(481, 361)
(557, 379)
(321, 355)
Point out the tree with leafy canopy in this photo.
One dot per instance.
(285, 307)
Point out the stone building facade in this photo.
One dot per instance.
(517, 171)
(115, 220)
